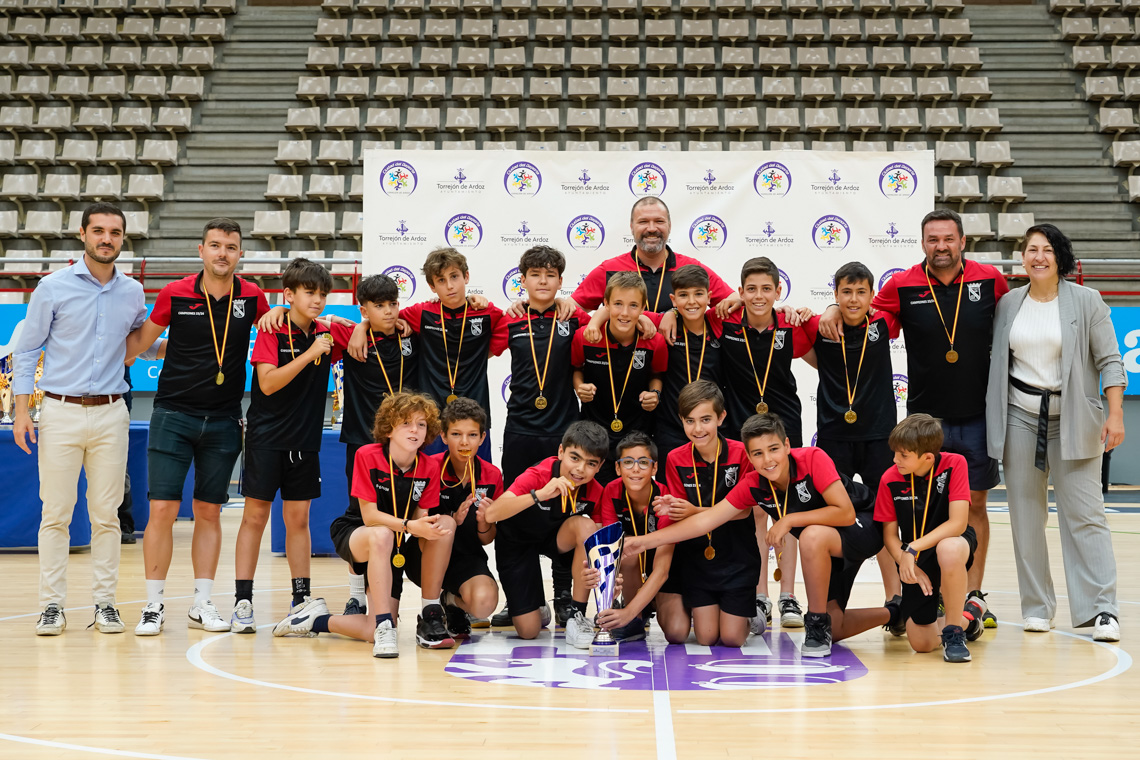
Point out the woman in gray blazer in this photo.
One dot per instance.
(1054, 347)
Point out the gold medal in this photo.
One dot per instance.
(220, 352)
(616, 426)
(446, 356)
(400, 385)
(451, 398)
(952, 356)
(540, 402)
(850, 416)
(710, 553)
(951, 333)
(780, 514)
(777, 575)
(761, 408)
(397, 560)
(219, 379)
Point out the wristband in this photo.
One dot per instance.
(534, 495)
(657, 391)
(405, 525)
(907, 548)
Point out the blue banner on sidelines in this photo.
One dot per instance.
(1126, 321)
(144, 374)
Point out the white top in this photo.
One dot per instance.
(1035, 342)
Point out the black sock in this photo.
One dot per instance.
(244, 590)
(300, 590)
(381, 618)
(581, 606)
(321, 624)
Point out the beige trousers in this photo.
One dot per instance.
(93, 438)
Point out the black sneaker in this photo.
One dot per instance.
(954, 644)
(974, 616)
(128, 538)
(564, 609)
(941, 606)
(502, 619)
(633, 631)
(897, 624)
(791, 615)
(817, 635)
(458, 623)
(989, 620)
(354, 607)
(431, 630)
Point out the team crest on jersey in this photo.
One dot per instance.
(563, 328)
(974, 290)
(730, 474)
(779, 340)
(418, 489)
(873, 332)
(406, 346)
(482, 492)
(477, 327)
(714, 343)
(639, 359)
(239, 309)
(940, 482)
(802, 491)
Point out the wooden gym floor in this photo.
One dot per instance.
(196, 695)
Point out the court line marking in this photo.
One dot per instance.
(663, 725)
(194, 656)
(1123, 663)
(92, 750)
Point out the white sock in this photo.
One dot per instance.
(786, 595)
(425, 603)
(203, 588)
(763, 596)
(356, 588)
(154, 591)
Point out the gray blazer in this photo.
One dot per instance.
(1090, 357)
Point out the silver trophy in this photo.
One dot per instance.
(338, 392)
(36, 400)
(6, 397)
(603, 552)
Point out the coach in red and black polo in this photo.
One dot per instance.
(589, 294)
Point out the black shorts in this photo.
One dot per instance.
(176, 439)
(922, 609)
(341, 531)
(523, 451)
(672, 584)
(462, 567)
(519, 571)
(296, 473)
(861, 541)
(350, 450)
(968, 438)
(867, 459)
(738, 600)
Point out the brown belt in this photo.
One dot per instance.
(108, 398)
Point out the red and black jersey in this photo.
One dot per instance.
(740, 375)
(810, 473)
(737, 555)
(523, 417)
(189, 372)
(614, 507)
(873, 386)
(642, 360)
(937, 387)
(685, 362)
(372, 481)
(536, 521)
(483, 334)
(292, 418)
(364, 384)
(899, 500)
(589, 294)
(453, 492)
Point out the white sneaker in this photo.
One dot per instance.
(206, 617)
(384, 641)
(791, 616)
(107, 619)
(52, 621)
(545, 615)
(311, 606)
(579, 631)
(1038, 625)
(241, 621)
(299, 621)
(152, 620)
(1107, 627)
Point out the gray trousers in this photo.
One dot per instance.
(1086, 543)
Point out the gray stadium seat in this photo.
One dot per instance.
(821, 120)
(741, 120)
(468, 89)
(429, 89)
(313, 89)
(502, 120)
(953, 154)
(396, 59)
(621, 120)
(542, 120)
(977, 227)
(271, 224)
(984, 120)
(93, 119)
(67, 28)
(1116, 120)
(359, 59)
(133, 119)
(888, 58)
(148, 87)
(963, 58)
(186, 88)
(49, 57)
(161, 57)
(926, 59)
(845, 30)
(817, 88)
(342, 120)
(1013, 226)
(335, 153)
(198, 57)
(422, 120)
(108, 87)
(382, 120)
(869, 146)
(882, 30)
(812, 59)
(159, 153)
(173, 119)
(956, 30)
(356, 188)
(38, 152)
(53, 119)
(973, 89)
(943, 120)
(391, 89)
(461, 120)
(102, 187)
(316, 225)
(1126, 153)
(917, 29)
(145, 187)
(1005, 190)
(43, 224)
(994, 154)
(782, 120)
(118, 152)
(1089, 57)
(702, 121)
(584, 90)
(173, 28)
(353, 88)
(326, 187)
(130, 58)
(79, 152)
(662, 89)
(934, 88)
(303, 120)
(583, 120)
(850, 60)
(961, 189)
(20, 187)
(857, 88)
(897, 89)
(862, 120)
(32, 86)
(902, 120)
(736, 89)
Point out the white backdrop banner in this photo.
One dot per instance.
(810, 212)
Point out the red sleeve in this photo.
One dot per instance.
(660, 354)
(891, 321)
(887, 299)
(663, 522)
(823, 472)
(884, 504)
(959, 480)
(605, 514)
(654, 317)
(801, 342)
(582, 316)
(499, 334)
(1001, 286)
(160, 314)
(716, 324)
(362, 487)
(264, 349)
(528, 481)
(741, 494)
(429, 499)
(811, 327)
(340, 334)
(718, 288)
(588, 295)
(262, 305)
(577, 354)
(497, 482)
(411, 315)
(673, 484)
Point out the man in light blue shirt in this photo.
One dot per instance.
(80, 317)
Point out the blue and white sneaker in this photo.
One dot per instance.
(299, 621)
(241, 621)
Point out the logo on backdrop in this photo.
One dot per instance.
(770, 236)
(585, 233)
(506, 389)
(647, 178)
(708, 233)
(522, 179)
(902, 389)
(584, 183)
(887, 275)
(398, 178)
(523, 235)
(405, 280)
(463, 231)
(830, 233)
(785, 286)
(892, 238)
(460, 184)
(772, 180)
(834, 184)
(767, 662)
(402, 234)
(710, 184)
(512, 285)
(898, 180)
